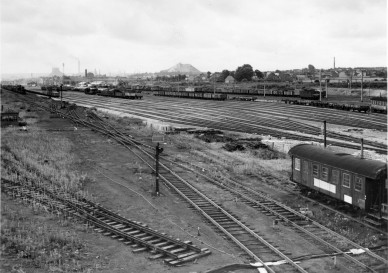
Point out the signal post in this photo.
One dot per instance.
(158, 151)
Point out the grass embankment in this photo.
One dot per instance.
(29, 157)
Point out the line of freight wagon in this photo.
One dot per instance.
(287, 92)
(192, 95)
(377, 105)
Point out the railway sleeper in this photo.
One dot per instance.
(156, 256)
(231, 225)
(147, 238)
(139, 250)
(161, 244)
(190, 256)
(155, 241)
(126, 229)
(238, 232)
(133, 232)
(168, 247)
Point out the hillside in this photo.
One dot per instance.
(181, 69)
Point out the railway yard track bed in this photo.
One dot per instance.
(123, 182)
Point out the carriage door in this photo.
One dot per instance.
(305, 172)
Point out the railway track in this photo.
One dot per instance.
(242, 125)
(337, 243)
(330, 241)
(133, 233)
(254, 246)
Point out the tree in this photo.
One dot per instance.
(381, 74)
(224, 74)
(208, 74)
(311, 69)
(259, 74)
(244, 72)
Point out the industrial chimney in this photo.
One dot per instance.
(86, 73)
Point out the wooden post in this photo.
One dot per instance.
(362, 148)
(327, 91)
(157, 170)
(324, 133)
(362, 79)
(320, 85)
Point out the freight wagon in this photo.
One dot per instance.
(311, 94)
(192, 95)
(121, 93)
(15, 88)
(379, 104)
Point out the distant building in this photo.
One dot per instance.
(229, 79)
(343, 75)
(56, 72)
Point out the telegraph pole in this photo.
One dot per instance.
(320, 85)
(326, 88)
(362, 80)
(214, 84)
(324, 133)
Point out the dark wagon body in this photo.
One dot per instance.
(356, 181)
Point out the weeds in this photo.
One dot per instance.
(37, 157)
(37, 243)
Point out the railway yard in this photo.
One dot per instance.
(224, 201)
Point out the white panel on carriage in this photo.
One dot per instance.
(348, 199)
(324, 185)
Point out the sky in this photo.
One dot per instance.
(136, 36)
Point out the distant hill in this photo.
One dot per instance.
(181, 69)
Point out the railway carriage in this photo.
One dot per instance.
(379, 104)
(357, 181)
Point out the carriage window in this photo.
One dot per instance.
(315, 170)
(297, 164)
(335, 176)
(358, 183)
(325, 173)
(346, 180)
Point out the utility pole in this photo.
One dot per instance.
(61, 94)
(320, 85)
(369, 88)
(214, 84)
(264, 90)
(324, 133)
(327, 91)
(158, 150)
(362, 80)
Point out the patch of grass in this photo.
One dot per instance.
(37, 243)
(35, 156)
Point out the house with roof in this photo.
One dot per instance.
(229, 79)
